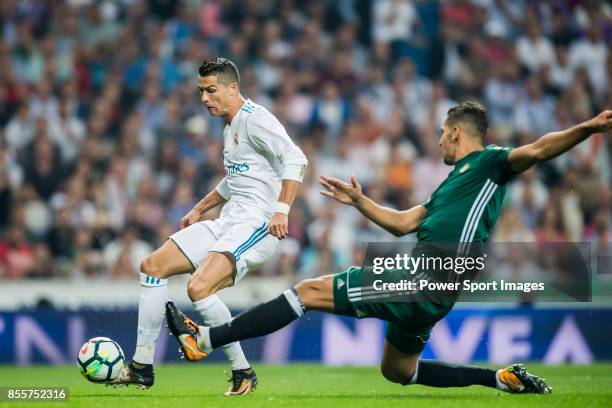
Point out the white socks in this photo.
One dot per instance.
(215, 313)
(153, 297)
(203, 339)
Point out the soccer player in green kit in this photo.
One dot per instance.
(462, 210)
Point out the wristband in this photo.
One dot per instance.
(282, 208)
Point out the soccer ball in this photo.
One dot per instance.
(100, 359)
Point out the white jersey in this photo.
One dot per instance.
(257, 155)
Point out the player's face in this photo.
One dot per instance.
(215, 95)
(448, 143)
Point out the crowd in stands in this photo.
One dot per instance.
(105, 145)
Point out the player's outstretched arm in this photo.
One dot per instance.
(396, 222)
(210, 201)
(553, 144)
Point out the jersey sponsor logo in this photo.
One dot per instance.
(232, 168)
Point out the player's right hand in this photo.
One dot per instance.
(340, 191)
(191, 218)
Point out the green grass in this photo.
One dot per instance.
(202, 385)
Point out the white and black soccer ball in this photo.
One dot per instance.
(100, 359)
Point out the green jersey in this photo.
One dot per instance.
(465, 207)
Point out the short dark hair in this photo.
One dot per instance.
(472, 113)
(225, 70)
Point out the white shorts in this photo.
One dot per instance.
(248, 242)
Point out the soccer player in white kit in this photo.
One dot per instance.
(264, 170)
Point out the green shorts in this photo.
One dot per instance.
(409, 323)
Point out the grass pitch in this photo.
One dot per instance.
(296, 385)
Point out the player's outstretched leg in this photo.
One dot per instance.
(317, 294)
(268, 317)
(185, 331)
(242, 382)
(513, 379)
(155, 269)
(405, 368)
(258, 321)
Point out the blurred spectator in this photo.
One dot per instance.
(530, 196)
(561, 71)
(124, 254)
(429, 171)
(74, 199)
(330, 110)
(43, 266)
(393, 137)
(413, 90)
(20, 129)
(5, 190)
(68, 131)
(151, 107)
(17, 258)
(60, 237)
(43, 103)
(502, 93)
(534, 114)
(506, 14)
(182, 202)
(511, 228)
(599, 234)
(591, 53)
(573, 217)
(11, 173)
(394, 20)
(42, 162)
(433, 112)
(398, 173)
(191, 143)
(87, 260)
(550, 227)
(285, 259)
(534, 50)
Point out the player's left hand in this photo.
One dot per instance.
(601, 122)
(279, 225)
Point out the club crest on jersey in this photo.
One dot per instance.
(464, 168)
(235, 139)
